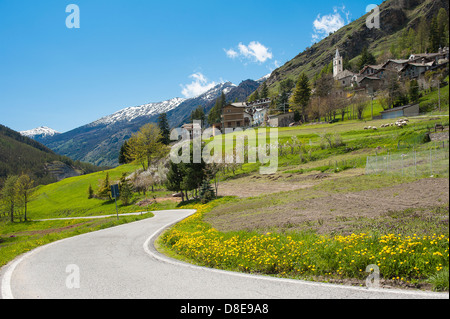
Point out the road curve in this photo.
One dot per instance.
(122, 263)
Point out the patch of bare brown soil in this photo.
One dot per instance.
(332, 210)
(256, 185)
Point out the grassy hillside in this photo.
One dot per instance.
(395, 17)
(319, 217)
(20, 154)
(69, 198)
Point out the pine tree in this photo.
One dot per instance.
(198, 114)
(125, 190)
(254, 96)
(413, 91)
(223, 100)
(175, 178)
(282, 102)
(90, 192)
(206, 192)
(164, 127)
(104, 191)
(412, 39)
(402, 42)
(422, 35)
(434, 35)
(215, 112)
(214, 115)
(366, 58)
(302, 95)
(124, 157)
(287, 85)
(264, 91)
(442, 27)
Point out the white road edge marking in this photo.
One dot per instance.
(6, 291)
(6, 280)
(162, 258)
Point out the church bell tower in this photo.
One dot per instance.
(338, 64)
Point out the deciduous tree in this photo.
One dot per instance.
(145, 146)
(24, 189)
(8, 195)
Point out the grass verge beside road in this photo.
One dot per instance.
(69, 199)
(387, 240)
(19, 238)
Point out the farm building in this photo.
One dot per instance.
(281, 120)
(401, 111)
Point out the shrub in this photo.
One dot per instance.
(329, 140)
(206, 192)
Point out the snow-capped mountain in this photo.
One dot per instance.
(130, 113)
(182, 113)
(264, 78)
(99, 142)
(213, 93)
(40, 132)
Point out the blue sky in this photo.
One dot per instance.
(132, 52)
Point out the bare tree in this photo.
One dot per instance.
(314, 108)
(360, 101)
(383, 99)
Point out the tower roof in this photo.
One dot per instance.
(337, 54)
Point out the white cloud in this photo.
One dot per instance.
(198, 86)
(231, 53)
(330, 23)
(254, 52)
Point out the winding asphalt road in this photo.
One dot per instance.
(122, 263)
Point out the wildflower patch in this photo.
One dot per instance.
(400, 258)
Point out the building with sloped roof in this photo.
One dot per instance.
(344, 77)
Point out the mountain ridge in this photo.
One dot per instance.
(395, 16)
(20, 154)
(39, 133)
(133, 112)
(99, 142)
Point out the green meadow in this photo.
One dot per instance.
(69, 199)
(327, 148)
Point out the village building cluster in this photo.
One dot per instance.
(370, 79)
(374, 77)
